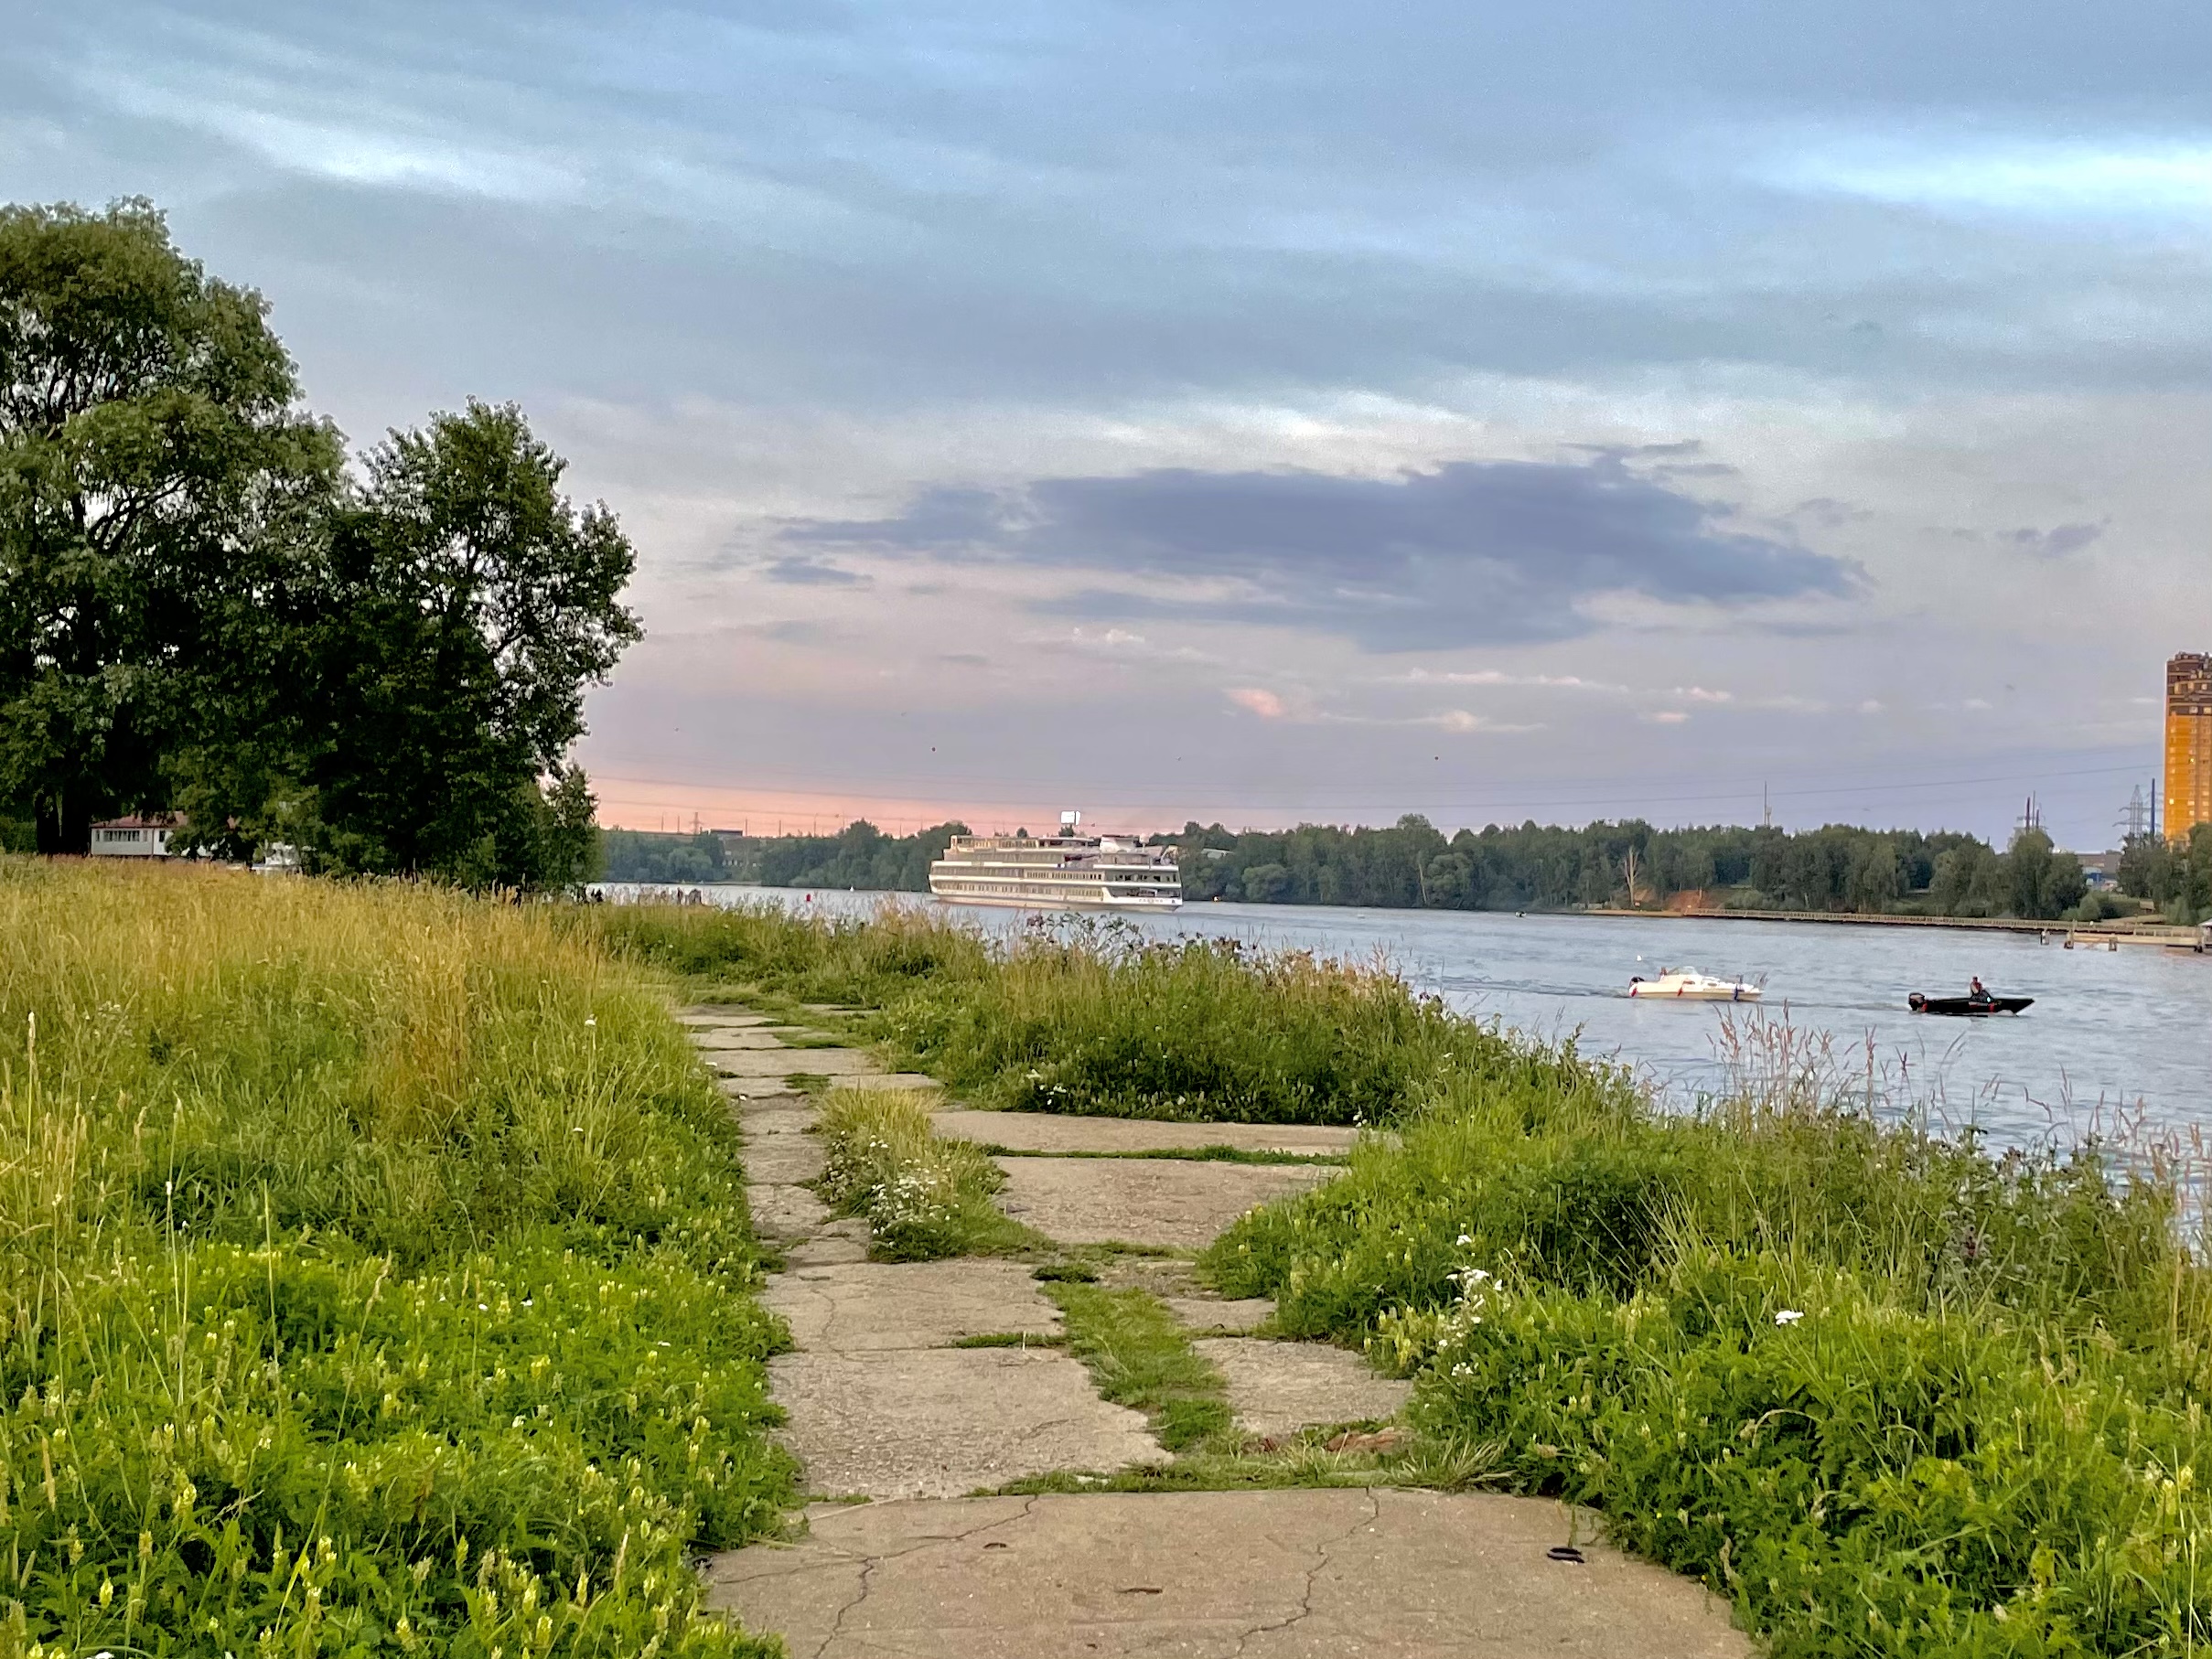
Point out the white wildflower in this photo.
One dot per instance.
(1789, 1316)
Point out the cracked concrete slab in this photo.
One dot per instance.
(1242, 1575)
(1066, 1132)
(1241, 1316)
(712, 1038)
(1167, 1203)
(708, 1015)
(784, 1160)
(776, 1064)
(778, 1120)
(936, 1422)
(831, 1246)
(924, 1304)
(785, 1211)
(1278, 1389)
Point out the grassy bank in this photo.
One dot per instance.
(1892, 1394)
(1095, 1020)
(375, 1277)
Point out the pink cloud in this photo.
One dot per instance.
(1253, 701)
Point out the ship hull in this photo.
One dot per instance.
(1056, 901)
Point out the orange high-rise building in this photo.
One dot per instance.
(2188, 743)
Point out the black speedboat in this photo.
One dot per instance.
(1966, 1005)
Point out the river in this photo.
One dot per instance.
(2114, 1036)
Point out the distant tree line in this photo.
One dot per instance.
(1838, 869)
(207, 605)
(859, 856)
(2176, 876)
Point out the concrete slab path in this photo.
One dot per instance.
(1055, 1132)
(881, 1405)
(1278, 1389)
(923, 1304)
(1218, 1575)
(1169, 1204)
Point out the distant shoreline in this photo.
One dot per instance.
(2160, 933)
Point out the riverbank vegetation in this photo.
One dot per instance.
(1411, 864)
(858, 856)
(1891, 1393)
(375, 1277)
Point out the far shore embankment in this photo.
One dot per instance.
(2124, 933)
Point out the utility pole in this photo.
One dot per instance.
(2031, 818)
(1765, 809)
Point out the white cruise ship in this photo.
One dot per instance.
(1069, 871)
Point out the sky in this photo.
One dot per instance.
(1265, 414)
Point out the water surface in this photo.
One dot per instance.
(2112, 1034)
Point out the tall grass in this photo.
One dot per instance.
(1892, 1393)
(1073, 1018)
(374, 1276)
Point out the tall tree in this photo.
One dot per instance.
(151, 458)
(470, 603)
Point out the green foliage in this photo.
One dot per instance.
(1537, 867)
(2176, 876)
(858, 856)
(156, 478)
(200, 611)
(1890, 1394)
(1077, 1019)
(923, 1198)
(1139, 1355)
(468, 604)
(375, 1277)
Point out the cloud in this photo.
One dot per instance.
(2056, 543)
(1119, 645)
(1253, 701)
(2029, 176)
(1665, 717)
(1494, 677)
(807, 572)
(794, 632)
(1469, 554)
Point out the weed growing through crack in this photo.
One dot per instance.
(1139, 1355)
(923, 1196)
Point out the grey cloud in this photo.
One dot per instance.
(2055, 543)
(1472, 553)
(806, 572)
(794, 632)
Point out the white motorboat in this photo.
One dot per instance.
(1688, 985)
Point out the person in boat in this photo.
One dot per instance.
(1977, 992)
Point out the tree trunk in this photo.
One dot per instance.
(65, 825)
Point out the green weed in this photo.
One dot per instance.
(923, 1198)
(1139, 1356)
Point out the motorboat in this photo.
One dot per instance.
(1972, 1006)
(1688, 985)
